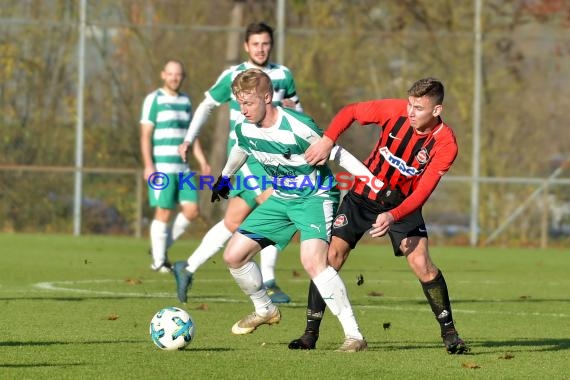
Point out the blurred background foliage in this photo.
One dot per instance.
(339, 51)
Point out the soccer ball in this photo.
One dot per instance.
(172, 328)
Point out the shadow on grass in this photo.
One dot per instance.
(521, 299)
(39, 365)
(54, 343)
(514, 345)
(74, 299)
(217, 349)
(387, 301)
(201, 298)
(547, 344)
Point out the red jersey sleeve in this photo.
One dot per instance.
(442, 160)
(372, 111)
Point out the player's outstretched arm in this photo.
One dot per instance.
(199, 118)
(236, 159)
(345, 159)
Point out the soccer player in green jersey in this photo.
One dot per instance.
(258, 45)
(165, 117)
(304, 199)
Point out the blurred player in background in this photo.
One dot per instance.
(258, 45)
(165, 117)
(414, 150)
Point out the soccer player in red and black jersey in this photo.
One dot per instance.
(414, 150)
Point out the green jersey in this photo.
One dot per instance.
(283, 87)
(170, 116)
(280, 150)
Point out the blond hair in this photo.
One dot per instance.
(252, 81)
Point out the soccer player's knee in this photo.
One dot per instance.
(311, 266)
(229, 259)
(192, 213)
(231, 225)
(417, 259)
(336, 258)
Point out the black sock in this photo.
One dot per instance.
(438, 298)
(315, 309)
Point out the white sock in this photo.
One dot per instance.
(178, 227)
(267, 260)
(211, 243)
(158, 237)
(334, 293)
(248, 277)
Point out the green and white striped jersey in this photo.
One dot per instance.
(283, 88)
(170, 116)
(281, 148)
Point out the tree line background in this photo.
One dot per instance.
(339, 52)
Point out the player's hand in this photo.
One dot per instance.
(183, 150)
(148, 171)
(318, 153)
(382, 224)
(288, 103)
(220, 189)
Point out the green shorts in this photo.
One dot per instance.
(170, 196)
(249, 182)
(278, 219)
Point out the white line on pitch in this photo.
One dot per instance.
(50, 286)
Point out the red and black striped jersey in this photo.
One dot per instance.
(405, 160)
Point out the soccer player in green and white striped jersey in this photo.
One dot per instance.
(278, 138)
(165, 117)
(258, 45)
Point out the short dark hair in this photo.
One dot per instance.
(258, 28)
(173, 60)
(430, 87)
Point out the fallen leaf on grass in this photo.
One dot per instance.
(375, 294)
(133, 281)
(507, 356)
(296, 274)
(470, 365)
(112, 317)
(203, 306)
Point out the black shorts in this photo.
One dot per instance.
(356, 214)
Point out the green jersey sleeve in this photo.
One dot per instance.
(221, 91)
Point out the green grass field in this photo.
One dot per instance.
(80, 308)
